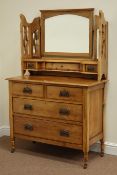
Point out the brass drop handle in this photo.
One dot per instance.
(64, 111)
(28, 127)
(28, 107)
(27, 90)
(64, 93)
(64, 133)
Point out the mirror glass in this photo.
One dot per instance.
(67, 33)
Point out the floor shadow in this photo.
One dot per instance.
(46, 151)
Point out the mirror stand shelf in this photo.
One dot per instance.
(33, 42)
(66, 65)
(59, 98)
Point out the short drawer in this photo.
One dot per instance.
(48, 129)
(28, 106)
(65, 93)
(27, 89)
(62, 111)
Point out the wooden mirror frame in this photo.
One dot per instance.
(88, 13)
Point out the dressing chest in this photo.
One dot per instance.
(59, 98)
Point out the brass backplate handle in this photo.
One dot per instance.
(28, 107)
(64, 93)
(28, 127)
(64, 111)
(64, 133)
(27, 90)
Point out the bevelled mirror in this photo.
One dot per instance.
(67, 33)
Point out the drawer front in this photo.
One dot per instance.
(48, 130)
(63, 66)
(65, 93)
(48, 109)
(64, 111)
(27, 89)
(28, 106)
(29, 65)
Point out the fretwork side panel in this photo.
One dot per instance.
(30, 38)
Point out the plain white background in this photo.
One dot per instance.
(10, 49)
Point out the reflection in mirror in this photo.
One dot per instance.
(67, 33)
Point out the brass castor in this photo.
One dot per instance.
(34, 142)
(85, 160)
(12, 150)
(85, 166)
(102, 154)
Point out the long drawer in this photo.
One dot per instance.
(65, 93)
(48, 129)
(63, 66)
(47, 109)
(26, 89)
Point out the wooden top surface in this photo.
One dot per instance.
(58, 80)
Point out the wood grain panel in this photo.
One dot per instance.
(48, 130)
(57, 92)
(63, 66)
(28, 106)
(64, 111)
(26, 89)
(58, 80)
(61, 111)
(96, 112)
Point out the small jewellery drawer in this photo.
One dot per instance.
(91, 68)
(65, 93)
(48, 129)
(27, 89)
(47, 109)
(63, 66)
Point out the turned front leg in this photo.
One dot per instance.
(102, 147)
(12, 141)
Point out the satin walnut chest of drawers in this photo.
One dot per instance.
(66, 112)
(59, 97)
